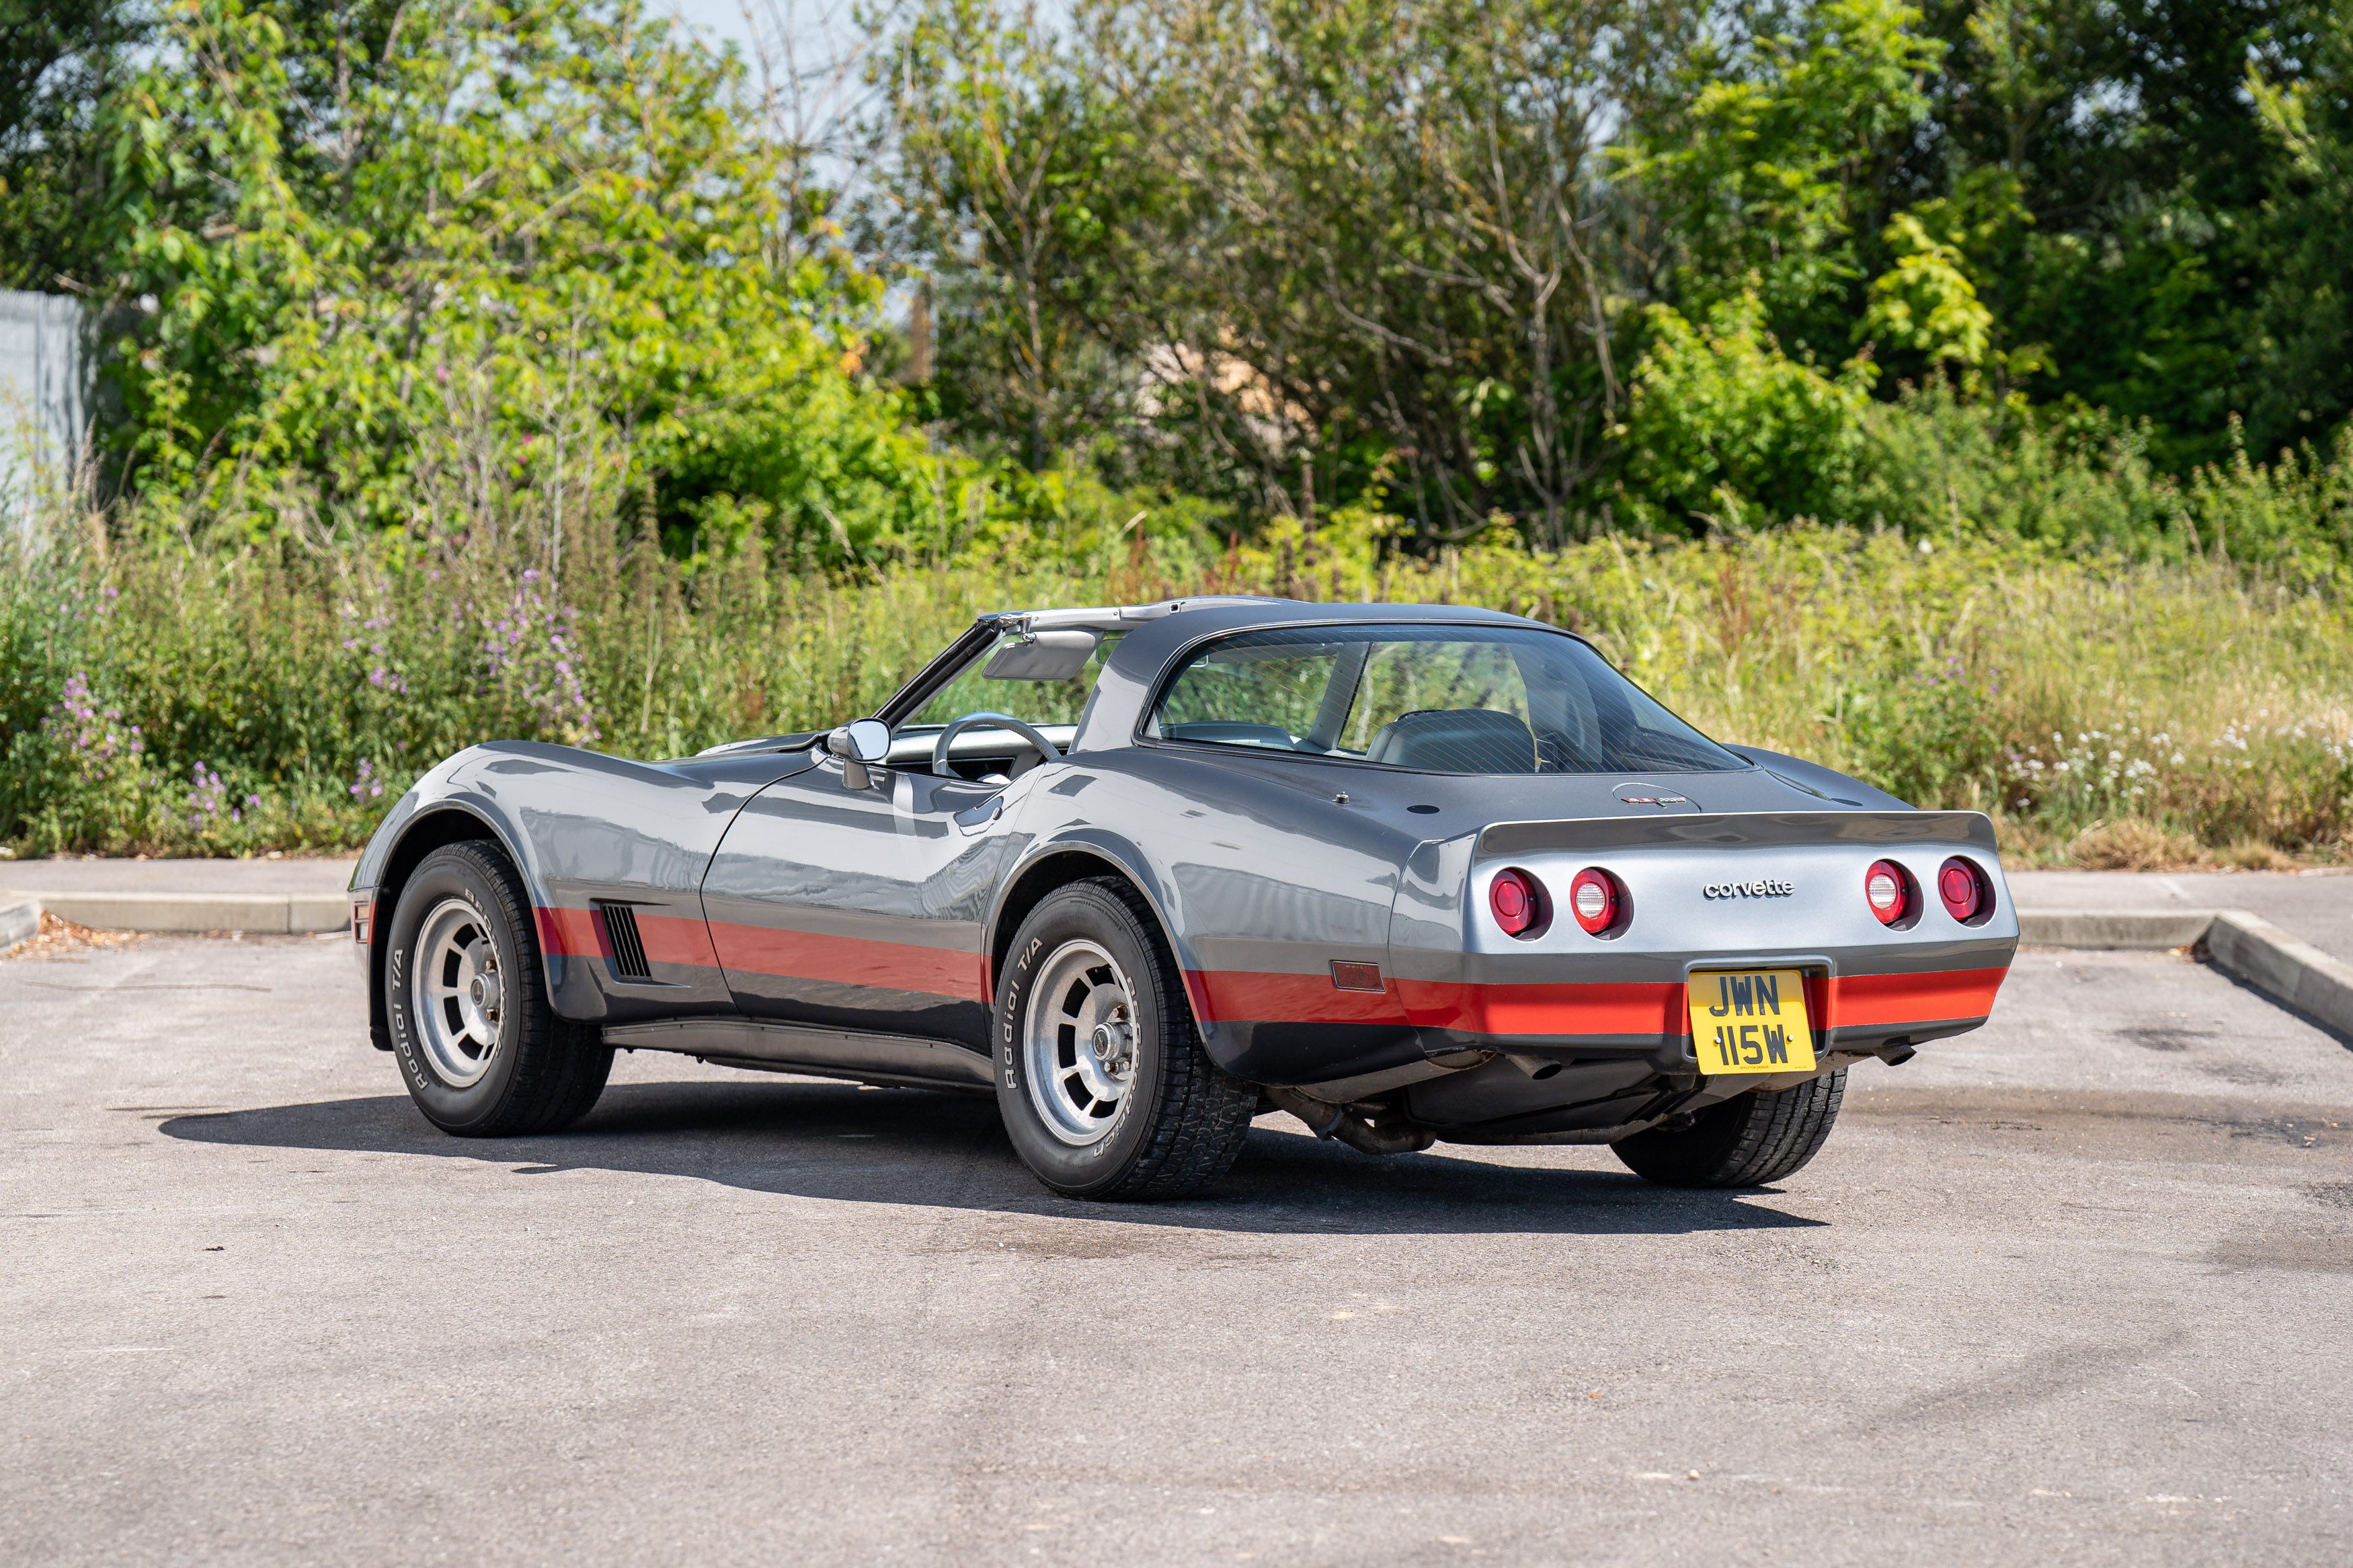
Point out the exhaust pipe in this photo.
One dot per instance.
(1326, 1120)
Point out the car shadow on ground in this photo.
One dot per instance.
(841, 1143)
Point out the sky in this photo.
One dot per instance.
(819, 26)
(723, 20)
(816, 26)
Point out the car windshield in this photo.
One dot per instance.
(1449, 699)
(1026, 695)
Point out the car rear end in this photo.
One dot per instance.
(1743, 946)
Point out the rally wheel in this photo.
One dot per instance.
(466, 995)
(1101, 1076)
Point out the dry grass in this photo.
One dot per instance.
(2106, 713)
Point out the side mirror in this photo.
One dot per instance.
(864, 740)
(858, 744)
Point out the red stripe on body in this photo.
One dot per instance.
(1197, 996)
(666, 939)
(1869, 1001)
(573, 933)
(763, 950)
(1652, 1007)
(1229, 994)
(1288, 998)
(850, 961)
(675, 939)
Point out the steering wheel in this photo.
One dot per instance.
(1047, 752)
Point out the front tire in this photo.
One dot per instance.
(1745, 1141)
(1106, 1089)
(483, 1053)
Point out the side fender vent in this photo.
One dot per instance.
(621, 943)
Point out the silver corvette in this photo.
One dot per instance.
(1409, 873)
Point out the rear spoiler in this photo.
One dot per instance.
(1737, 829)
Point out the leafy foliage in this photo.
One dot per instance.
(1316, 252)
(509, 366)
(535, 243)
(1723, 419)
(1768, 168)
(283, 699)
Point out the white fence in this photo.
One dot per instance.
(44, 396)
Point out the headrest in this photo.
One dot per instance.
(1456, 740)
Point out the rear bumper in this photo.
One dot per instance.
(1850, 1012)
(1645, 1020)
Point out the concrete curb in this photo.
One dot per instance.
(2280, 966)
(20, 920)
(2292, 973)
(2130, 929)
(278, 914)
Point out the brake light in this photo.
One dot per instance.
(1594, 899)
(1964, 888)
(1517, 900)
(1888, 890)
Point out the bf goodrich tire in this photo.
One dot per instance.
(1100, 1076)
(466, 995)
(1747, 1141)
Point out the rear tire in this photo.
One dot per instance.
(483, 1054)
(1745, 1141)
(1106, 1089)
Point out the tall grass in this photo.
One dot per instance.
(171, 697)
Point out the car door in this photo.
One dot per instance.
(860, 908)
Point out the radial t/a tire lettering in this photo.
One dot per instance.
(1747, 1141)
(465, 999)
(1100, 1076)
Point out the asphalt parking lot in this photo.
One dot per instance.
(2072, 1289)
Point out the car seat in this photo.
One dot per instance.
(1456, 740)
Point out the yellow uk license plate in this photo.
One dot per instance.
(1751, 1020)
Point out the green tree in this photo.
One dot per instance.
(998, 164)
(2307, 305)
(1302, 252)
(2155, 226)
(443, 255)
(1728, 430)
(1769, 174)
(58, 59)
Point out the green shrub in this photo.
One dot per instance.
(283, 697)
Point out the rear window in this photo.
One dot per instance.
(1449, 700)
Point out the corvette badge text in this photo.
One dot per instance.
(1767, 889)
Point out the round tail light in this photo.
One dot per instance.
(1517, 900)
(1594, 899)
(1964, 888)
(1887, 887)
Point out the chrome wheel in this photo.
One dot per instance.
(455, 993)
(1079, 1042)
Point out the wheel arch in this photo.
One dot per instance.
(450, 822)
(1075, 857)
